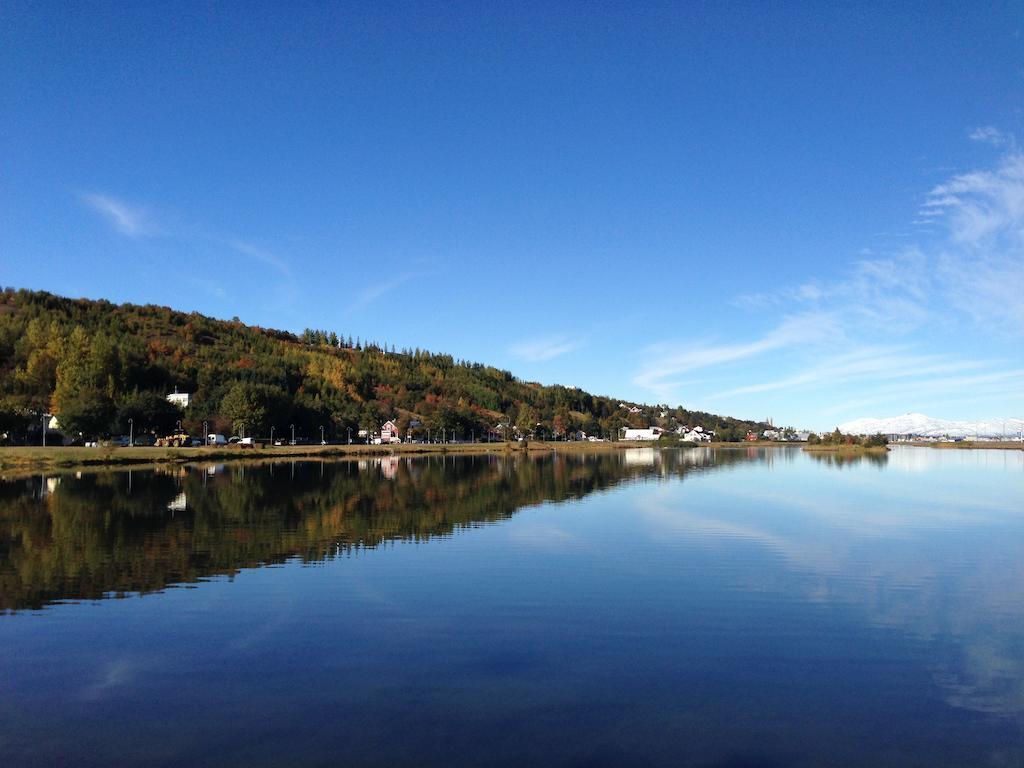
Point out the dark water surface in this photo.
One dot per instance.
(677, 608)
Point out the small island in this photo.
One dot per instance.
(837, 441)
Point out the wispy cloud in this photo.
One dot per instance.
(371, 293)
(975, 387)
(876, 365)
(129, 220)
(262, 255)
(988, 134)
(981, 267)
(545, 348)
(666, 361)
(874, 327)
(137, 222)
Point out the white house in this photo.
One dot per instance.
(180, 399)
(696, 435)
(651, 433)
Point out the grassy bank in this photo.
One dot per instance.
(36, 458)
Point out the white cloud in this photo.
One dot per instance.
(988, 134)
(546, 348)
(127, 219)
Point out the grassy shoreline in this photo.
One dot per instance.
(36, 458)
(27, 459)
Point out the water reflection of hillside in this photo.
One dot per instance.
(89, 536)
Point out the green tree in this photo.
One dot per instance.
(149, 411)
(253, 407)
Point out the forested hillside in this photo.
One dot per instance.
(95, 365)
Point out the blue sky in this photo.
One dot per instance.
(783, 210)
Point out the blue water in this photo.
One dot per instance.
(679, 608)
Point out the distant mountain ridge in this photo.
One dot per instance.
(926, 426)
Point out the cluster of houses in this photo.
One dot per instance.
(688, 434)
(781, 435)
(389, 432)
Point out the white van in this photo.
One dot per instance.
(217, 439)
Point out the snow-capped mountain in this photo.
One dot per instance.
(925, 426)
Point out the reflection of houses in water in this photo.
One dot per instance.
(214, 469)
(389, 467)
(48, 485)
(640, 457)
(178, 504)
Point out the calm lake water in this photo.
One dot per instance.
(679, 608)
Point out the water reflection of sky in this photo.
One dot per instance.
(939, 557)
(757, 609)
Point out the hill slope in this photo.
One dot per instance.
(96, 365)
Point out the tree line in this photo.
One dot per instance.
(101, 367)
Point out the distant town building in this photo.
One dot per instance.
(651, 433)
(180, 399)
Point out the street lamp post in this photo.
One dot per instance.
(206, 433)
(44, 429)
(293, 434)
(349, 430)
(131, 432)
(271, 437)
(321, 434)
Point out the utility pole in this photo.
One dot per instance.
(131, 432)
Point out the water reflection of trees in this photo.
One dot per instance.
(98, 535)
(842, 459)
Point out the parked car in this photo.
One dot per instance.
(247, 442)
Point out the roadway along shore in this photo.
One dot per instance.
(29, 459)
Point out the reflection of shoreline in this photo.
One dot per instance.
(840, 459)
(23, 460)
(92, 535)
